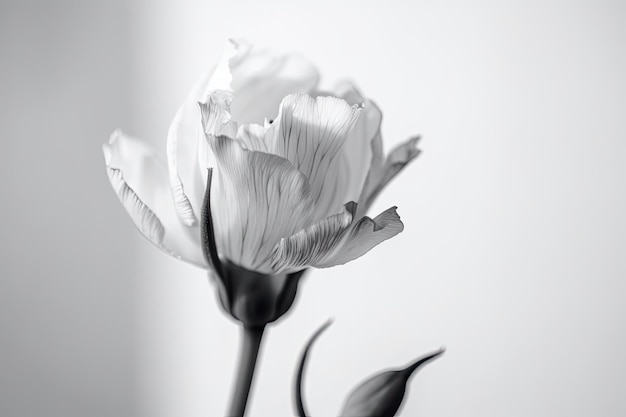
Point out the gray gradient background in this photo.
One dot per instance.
(512, 255)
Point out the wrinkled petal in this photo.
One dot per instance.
(216, 121)
(310, 133)
(215, 115)
(259, 199)
(314, 244)
(380, 174)
(139, 177)
(254, 137)
(363, 236)
(145, 220)
(335, 240)
(257, 80)
(261, 79)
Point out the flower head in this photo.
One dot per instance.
(294, 169)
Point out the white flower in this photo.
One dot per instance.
(294, 170)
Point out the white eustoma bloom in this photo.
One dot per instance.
(294, 170)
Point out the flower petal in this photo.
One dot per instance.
(335, 240)
(145, 220)
(259, 199)
(257, 81)
(215, 115)
(310, 133)
(261, 79)
(139, 177)
(380, 174)
(312, 245)
(184, 136)
(363, 236)
(358, 147)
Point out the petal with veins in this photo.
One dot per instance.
(335, 240)
(145, 220)
(215, 115)
(139, 177)
(381, 174)
(312, 245)
(310, 133)
(363, 236)
(259, 199)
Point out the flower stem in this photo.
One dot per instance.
(247, 361)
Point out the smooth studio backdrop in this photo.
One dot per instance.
(512, 254)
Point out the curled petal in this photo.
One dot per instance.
(262, 199)
(335, 240)
(139, 177)
(215, 115)
(363, 236)
(145, 220)
(381, 173)
(216, 121)
(399, 157)
(312, 245)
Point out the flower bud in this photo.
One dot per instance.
(291, 194)
(382, 394)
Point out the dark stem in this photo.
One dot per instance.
(298, 388)
(247, 361)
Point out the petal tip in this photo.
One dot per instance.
(414, 151)
(144, 218)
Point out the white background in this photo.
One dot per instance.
(513, 250)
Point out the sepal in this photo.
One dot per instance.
(253, 298)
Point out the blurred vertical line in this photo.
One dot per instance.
(66, 291)
(170, 49)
